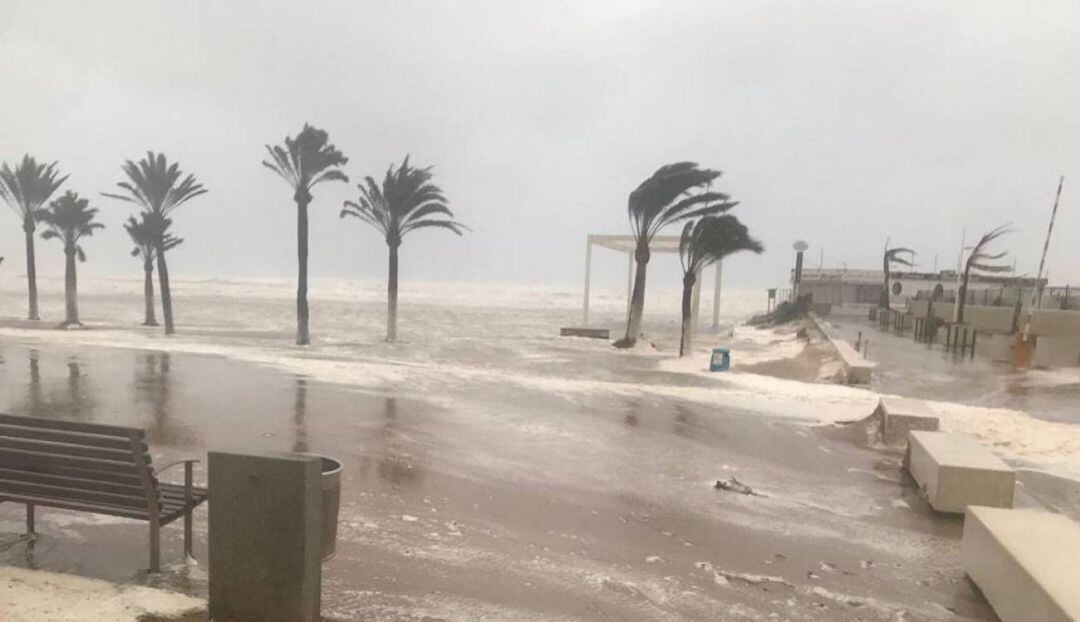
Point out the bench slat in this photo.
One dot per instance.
(79, 506)
(28, 462)
(69, 481)
(11, 456)
(64, 449)
(9, 487)
(72, 438)
(73, 426)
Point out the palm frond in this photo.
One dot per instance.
(28, 186)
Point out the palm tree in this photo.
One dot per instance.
(69, 219)
(26, 190)
(159, 188)
(893, 256)
(977, 260)
(407, 201)
(303, 163)
(703, 243)
(672, 193)
(143, 232)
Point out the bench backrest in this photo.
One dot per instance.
(77, 465)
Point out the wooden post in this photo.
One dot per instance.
(588, 274)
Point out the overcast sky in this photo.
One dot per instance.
(839, 123)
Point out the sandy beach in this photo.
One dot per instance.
(496, 471)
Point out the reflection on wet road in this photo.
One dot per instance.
(515, 503)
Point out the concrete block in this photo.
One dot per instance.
(1026, 562)
(900, 415)
(265, 538)
(1056, 351)
(955, 471)
(857, 370)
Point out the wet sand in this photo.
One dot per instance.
(517, 503)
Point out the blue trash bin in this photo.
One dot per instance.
(721, 359)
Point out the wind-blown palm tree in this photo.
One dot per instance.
(893, 256)
(69, 219)
(143, 232)
(303, 163)
(977, 261)
(674, 192)
(26, 189)
(159, 188)
(407, 201)
(703, 243)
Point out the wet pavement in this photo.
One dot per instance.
(508, 503)
(926, 371)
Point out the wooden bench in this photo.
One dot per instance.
(88, 467)
(1026, 562)
(955, 471)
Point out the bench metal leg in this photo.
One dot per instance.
(155, 546)
(188, 503)
(31, 535)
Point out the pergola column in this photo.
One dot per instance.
(716, 295)
(588, 275)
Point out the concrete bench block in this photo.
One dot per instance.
(900, 415)
(857, 370)
(955, 471)
(1026, 562)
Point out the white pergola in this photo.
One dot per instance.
(660, 244)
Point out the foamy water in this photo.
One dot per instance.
(458, 336)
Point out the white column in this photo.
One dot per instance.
(695, 305)
(588, 274)
(717, 287)
(629, 279)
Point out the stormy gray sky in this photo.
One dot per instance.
(840, 123)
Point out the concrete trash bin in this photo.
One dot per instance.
(721, 359)
(331, 503)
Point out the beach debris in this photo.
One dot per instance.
(827, 567)
(652, 559)
(867, 563)
(408, 518)
(755, 579)
(813, 576)
(732, 484)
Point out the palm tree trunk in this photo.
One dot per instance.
(962, 300)
(303, 336)
(71, 301)
(391, 296)
(166, 293)
(31, 268)
(637, 298)
(148, 292)
(687, 313)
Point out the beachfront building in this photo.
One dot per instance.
(858, 289)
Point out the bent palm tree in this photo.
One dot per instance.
(303, 163)
(893, 256)
(143, 233)
(69, 219)
(665, 197)
(26, 189)
(977, 260)
(407, 201)
(703, 243)
(159, 188)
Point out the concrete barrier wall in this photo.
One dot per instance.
(1055, 323)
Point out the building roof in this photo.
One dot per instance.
(876, 277)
